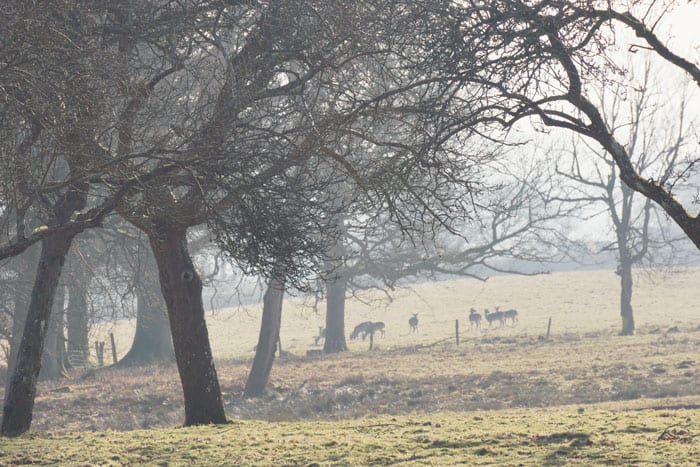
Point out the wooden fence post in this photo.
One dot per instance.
(100, 351)
(371, 339)
(114, 348)
(549, 326)
(457, 331)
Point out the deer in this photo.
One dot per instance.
(362, 328)
(378, 326)
(512, 315)
(321, 335)
(495, 316)
(413, 322)
(474, 318)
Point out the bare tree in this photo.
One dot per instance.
(54, 109)
(515, 223)
(64, 146)
(543, 62)
(268, 340)
(654, 144)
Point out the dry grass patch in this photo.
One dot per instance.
(484, 374)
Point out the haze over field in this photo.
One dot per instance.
(182, 182)
(577, 302)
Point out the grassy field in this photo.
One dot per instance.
(504, 396)
(609, 436)
(579, 303)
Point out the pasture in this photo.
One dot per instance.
(505, 395)
(579, 303)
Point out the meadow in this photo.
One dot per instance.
(579, 303)
(504, 396)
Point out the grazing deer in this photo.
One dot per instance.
(512, 315)
(378, 326)
(474, 318)
(495, 316)
(362, 328)
(321, 335)
(413, 322)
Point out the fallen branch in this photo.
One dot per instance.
(680, 435)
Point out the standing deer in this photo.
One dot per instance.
(512, 315)
(474, 318)
(321, 335)
(495, 316)
(413, 322)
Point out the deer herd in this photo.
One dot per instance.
(498, 316)
(366, 328)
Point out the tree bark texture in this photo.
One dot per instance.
(153, 341)
(182, 290)
(21, 390)
(335, 314)
(267, 340)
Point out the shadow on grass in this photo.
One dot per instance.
(569, 442)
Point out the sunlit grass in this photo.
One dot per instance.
(611, 436)
(504, 396)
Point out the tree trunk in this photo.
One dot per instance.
(624, 245)
(182, 290)
(53, 359)
(626, 311)
(23, 290)
(153, 341)
(21, 390)
(335, 314)
(77, 316)
(267, 340)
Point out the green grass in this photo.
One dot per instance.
(554, 436)
(505, 396)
